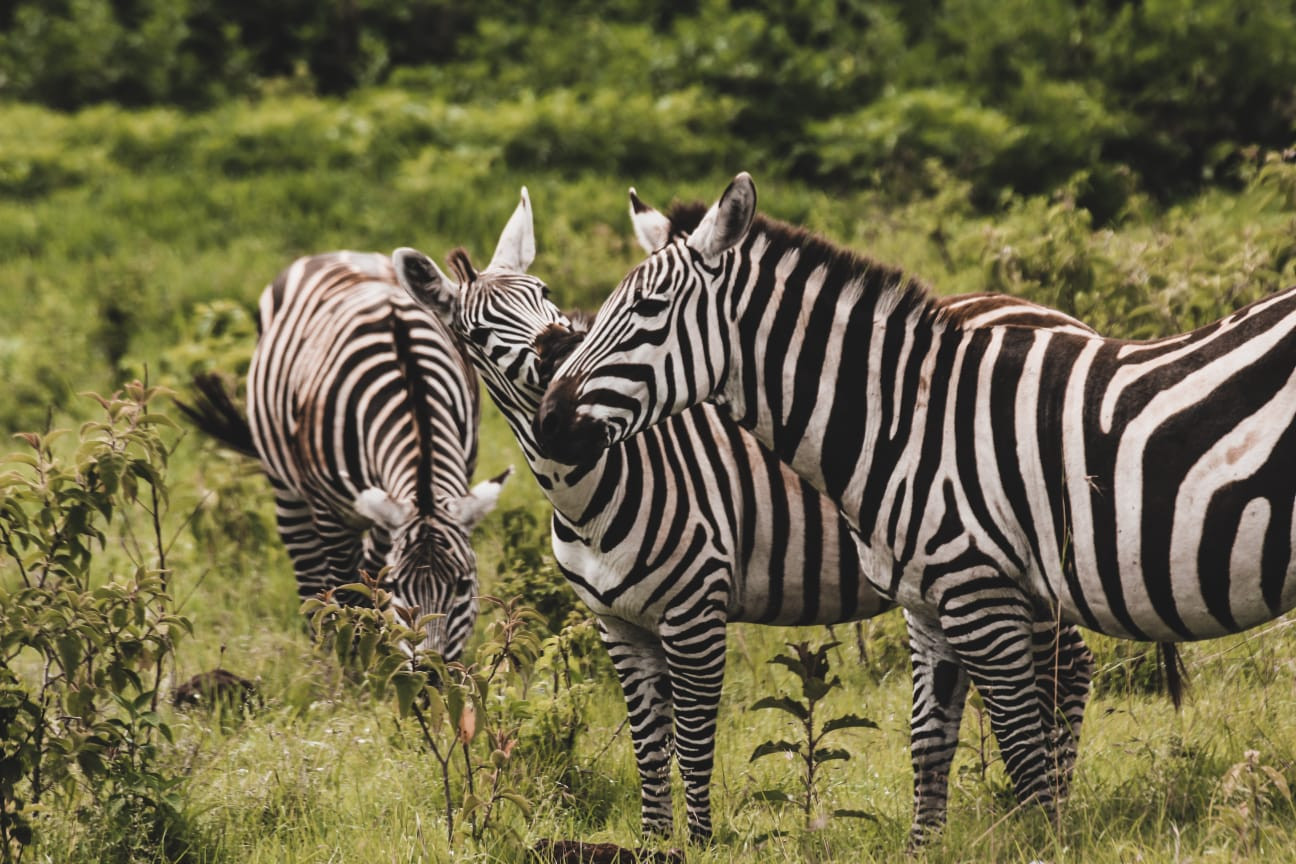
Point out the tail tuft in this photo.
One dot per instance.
(214, 412)
(1176, 674)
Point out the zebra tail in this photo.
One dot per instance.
(214, 412)
(1176, 674)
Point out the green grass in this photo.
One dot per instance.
(120, 233)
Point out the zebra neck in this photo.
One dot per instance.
(817, 334)
(568, 490)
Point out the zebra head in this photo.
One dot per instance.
(514, 335)
(430, 563)
(660, 343)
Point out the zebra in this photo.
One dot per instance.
(364, 414)
(993, 475)
(638, 529)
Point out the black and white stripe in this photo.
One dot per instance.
(672, 534)
(995, 475)
(364, 415)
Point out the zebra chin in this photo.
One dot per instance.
(562, 433)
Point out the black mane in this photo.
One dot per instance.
(848, 266)
(556, 344)
(875, 279)
(684, 216)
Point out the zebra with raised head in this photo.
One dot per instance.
(993, 474)
(363, 413)
(672, 534)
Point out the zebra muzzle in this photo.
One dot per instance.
(562, 432)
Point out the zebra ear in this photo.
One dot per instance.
(516, 248)
(423, 280)
(651, 228)
(728, 221)
(480, 500)
(377, 506)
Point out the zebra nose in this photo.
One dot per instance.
(562, 434)
(556, 409)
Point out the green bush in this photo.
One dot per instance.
(84, 647)
(889, 142)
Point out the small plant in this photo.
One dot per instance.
(810, 666)
(82, 650)
(527, 568)
(1247, 790)
(450, 701)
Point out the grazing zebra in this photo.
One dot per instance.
(994, 474)
(364, 415)
(672, 534)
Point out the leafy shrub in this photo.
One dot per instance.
(527, 569)
(892, 138)
(83, 651)
(453, 703)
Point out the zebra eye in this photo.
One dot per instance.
(464, 586)
(650, 305)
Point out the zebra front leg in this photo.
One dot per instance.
(695, 654)
(1064, 669)
(324, 551)
(989, 622)
(940, 687)
(640, 664)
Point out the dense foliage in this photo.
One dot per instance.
(1019, 95)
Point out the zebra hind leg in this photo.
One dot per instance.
(640, 665)
(989, 623)
(940, 687)
(1064, 669)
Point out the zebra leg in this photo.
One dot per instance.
(990, 624)
(940, 687)
(640, 665)
(296, 526)
(325, 552)
(695, 655)
(1064, 668)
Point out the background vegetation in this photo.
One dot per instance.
(161, 161)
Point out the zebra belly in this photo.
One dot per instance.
(608, 585)
(1195, 582)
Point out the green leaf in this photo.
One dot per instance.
(773, 796)
(435, 710)
(767, 747)
(69, 650)
(829, 754)
(407, 686)
(365, 648)
(856, 814)
(470, 803)
(848, 721)
(785, 704)
(342, 641)
(815, 689)
(519, 802)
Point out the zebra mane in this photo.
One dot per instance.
(684, 217)
(416, 387)
(894, 290)
(461, 265)
(557, 343)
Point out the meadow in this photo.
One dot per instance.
(134, 244)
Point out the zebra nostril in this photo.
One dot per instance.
(549, 422)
